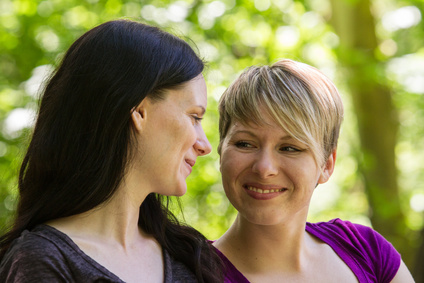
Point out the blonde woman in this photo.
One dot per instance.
(279, 127)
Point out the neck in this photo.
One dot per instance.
(114, 222)
(270, 248)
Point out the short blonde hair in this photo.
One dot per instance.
(298, 97)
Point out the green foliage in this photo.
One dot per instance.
(231, 35)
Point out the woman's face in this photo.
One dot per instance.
(171, 137)
(268, 176)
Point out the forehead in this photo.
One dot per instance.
(263, 119)
(189, 93)
(265, 126)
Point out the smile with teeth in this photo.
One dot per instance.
(257, 190)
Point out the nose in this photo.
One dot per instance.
(265, 164)
(202, 145)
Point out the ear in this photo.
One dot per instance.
(328, 168)
(138, 115)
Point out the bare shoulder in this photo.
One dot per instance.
(403, 275)
(328, 264)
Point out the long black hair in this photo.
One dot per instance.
(81, 144)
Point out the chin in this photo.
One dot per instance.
(180, 194)
(180, 191)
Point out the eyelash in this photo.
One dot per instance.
(243, 144)
(197, 119)
(289, 149)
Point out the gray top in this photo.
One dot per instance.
(47, 255)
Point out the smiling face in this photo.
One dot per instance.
(268, 176)
(170, 137)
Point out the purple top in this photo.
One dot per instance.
(370, 257)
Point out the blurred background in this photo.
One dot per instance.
(372, 49)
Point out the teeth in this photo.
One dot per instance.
(257, 190)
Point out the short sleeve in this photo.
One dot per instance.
(33, 260)
(384, 257)
(370, 256)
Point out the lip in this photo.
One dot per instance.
(263, 192)
(190, 163)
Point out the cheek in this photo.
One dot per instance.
(307, 171)
(190, 136)
(184, 133)
(229, 175)
(231, 166)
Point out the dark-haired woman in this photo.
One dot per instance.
(118, 128)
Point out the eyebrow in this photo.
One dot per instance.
(284, 138)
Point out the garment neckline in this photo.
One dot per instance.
(63, 236)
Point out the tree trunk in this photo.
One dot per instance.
(418, 271)
(376, 115)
